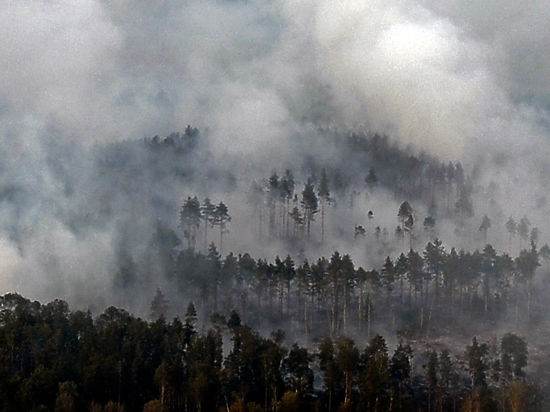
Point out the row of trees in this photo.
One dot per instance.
(54, 359)
(417, 291)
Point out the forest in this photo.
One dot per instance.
(238, 308)
(274, 205)
(55, 359)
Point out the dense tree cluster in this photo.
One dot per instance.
(55, 359)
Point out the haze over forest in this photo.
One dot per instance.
(328, 168)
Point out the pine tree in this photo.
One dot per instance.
(190, 219)
(309, 204)
(208, 215)
(190, 319)
(485, 226)
(221, 218)
(388, 277)
(477, 363)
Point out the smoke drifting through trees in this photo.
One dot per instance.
(290, 69)
(291, 104)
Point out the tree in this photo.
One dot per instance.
(527, 263)
(159, 306)
(513, 351)
(404, 213)
(400, 370)
(374, 384)
(485, 226)
(190, 219)
(347, 356)
(330, 370)
(435, 257)
(298, 220)
(448, 376)
(359, 232)
(221, 218)
(477, 363)
(208, 214)
(405, 216)
(309, 204)
(324, 197)
(431, 374)
(190, 319)
(212, 272)
(298, 376)
(388, 277)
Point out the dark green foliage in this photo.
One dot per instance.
(54, 359)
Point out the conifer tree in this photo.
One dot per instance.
(309, 204)
(190, 219)
(485, 226)
(208, 215)
(221, 218)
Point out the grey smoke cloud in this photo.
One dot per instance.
(460, 80)
(443, 76)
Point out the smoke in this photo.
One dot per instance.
(458, 80)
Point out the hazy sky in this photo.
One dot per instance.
(446, 75)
